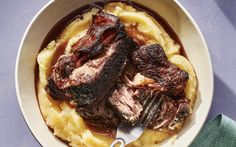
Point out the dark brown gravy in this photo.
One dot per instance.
(58, 53)
(59, 27)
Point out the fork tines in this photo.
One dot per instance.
(151, 105)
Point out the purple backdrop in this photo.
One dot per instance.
(216, 19)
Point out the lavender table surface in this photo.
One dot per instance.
(216, 18)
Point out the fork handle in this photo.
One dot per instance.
(118, 140)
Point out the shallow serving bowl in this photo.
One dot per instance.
(172, 11)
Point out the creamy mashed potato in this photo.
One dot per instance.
(63, 119)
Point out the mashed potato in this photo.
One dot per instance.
(63, 119)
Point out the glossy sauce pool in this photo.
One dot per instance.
(59, 27)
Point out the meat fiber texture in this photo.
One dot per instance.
(63, 119)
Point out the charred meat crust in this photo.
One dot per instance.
(93, 90)
(104, 64)
(152, 62)
(99, 115)
(104, 28)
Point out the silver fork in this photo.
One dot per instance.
(126, 134)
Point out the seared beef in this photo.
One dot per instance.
(99, 115)
(165, 78)
(103, 30)
(152, 62)
(92, 81)
(95, 63)
(126, 103)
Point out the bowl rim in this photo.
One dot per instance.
(17, 66)
(51, 2)
(208, 56)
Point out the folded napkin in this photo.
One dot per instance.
(219, 132)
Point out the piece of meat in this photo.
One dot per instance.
(158, 75)
(152, 62)
(104, 28)
(126, 103)
(99, 115)
(87, 73)
(92, 81)
(129, 105)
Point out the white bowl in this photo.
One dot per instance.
(172, 11)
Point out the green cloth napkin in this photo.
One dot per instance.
(219, 132)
